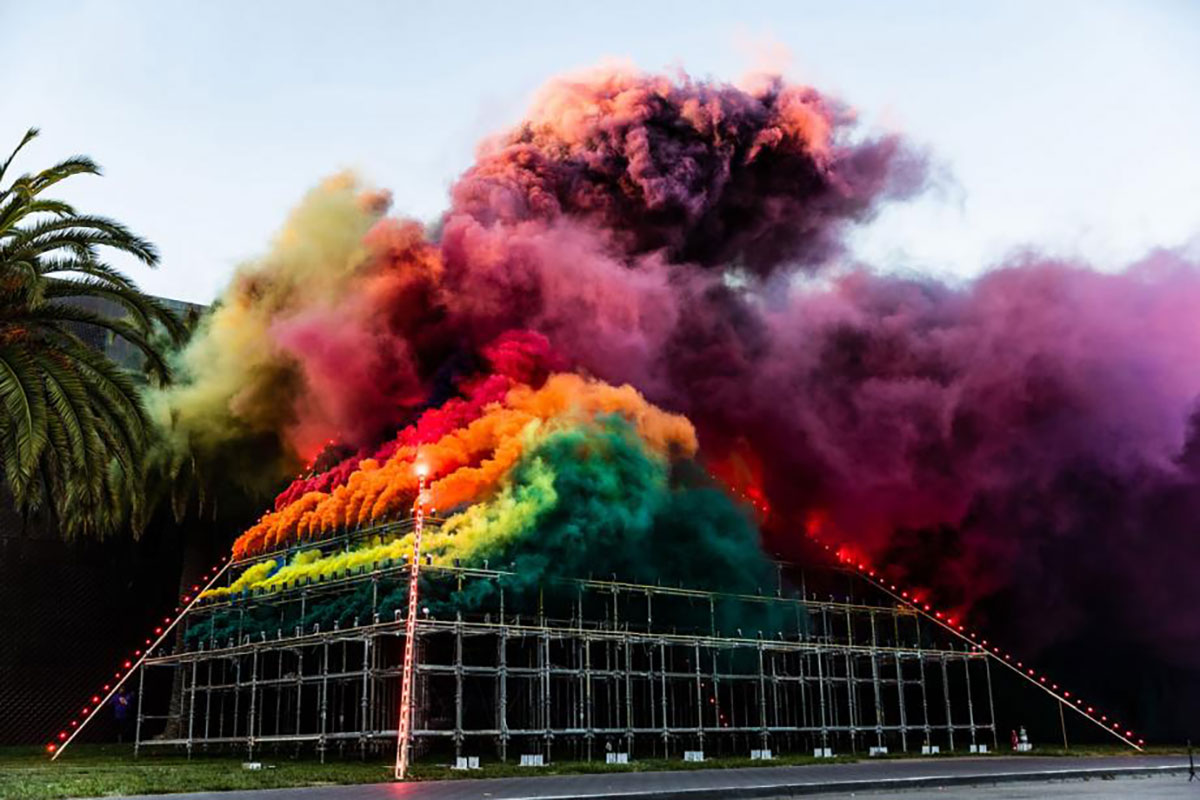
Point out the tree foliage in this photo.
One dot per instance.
(73, 429)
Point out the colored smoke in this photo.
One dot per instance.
(587, 496)
(1022, 444)
(312, 343)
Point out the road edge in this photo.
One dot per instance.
(807, 788)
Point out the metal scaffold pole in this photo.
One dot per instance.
(580, 664)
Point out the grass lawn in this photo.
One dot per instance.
(99, 770)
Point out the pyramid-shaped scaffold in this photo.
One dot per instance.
(577, 668)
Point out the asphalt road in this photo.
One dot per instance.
(909, 778)
(1158, 787)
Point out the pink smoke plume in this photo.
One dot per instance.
(918, 418)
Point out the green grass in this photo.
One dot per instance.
(99, 770)
(96, 771)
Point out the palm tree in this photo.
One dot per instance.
(73, 430)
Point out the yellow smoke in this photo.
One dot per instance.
(482, 527)
(234, 382)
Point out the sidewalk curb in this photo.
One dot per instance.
(799, 789)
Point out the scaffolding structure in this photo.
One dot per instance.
(576, 669)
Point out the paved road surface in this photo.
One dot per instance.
(1158, 787)
(898, 776)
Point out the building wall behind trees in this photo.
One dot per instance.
(70, 612)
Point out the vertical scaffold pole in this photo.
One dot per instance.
(137, 730)
(946, 695)
(191, 709)
(903, 710)
(987, 667)
(410, 630)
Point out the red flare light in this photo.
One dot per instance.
(50, 748)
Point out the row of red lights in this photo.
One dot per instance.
(127, 666)
(948, 621)
(760, 505)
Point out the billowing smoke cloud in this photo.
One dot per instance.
(625, 201)
(1024, 442)
(1031, 433)
(317, 341)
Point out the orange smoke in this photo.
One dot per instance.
(466, 463)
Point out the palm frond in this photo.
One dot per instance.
(29, 136)
(48, 235)
(74, 434)
(24, 414)
(66, 312)
(17, 208)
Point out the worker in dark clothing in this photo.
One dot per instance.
(122, 703)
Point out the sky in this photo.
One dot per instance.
(1070, 127)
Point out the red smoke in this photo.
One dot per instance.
(516, 357)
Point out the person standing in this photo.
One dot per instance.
(123, 713)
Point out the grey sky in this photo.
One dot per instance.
(1069, 126)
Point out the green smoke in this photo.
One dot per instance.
(587, 500)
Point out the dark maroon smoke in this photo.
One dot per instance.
(1022, 445)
